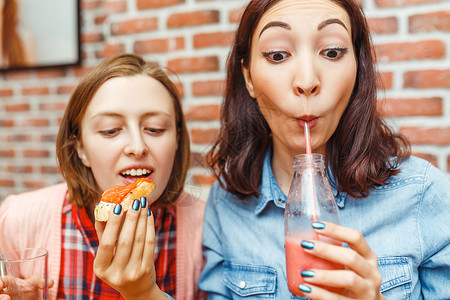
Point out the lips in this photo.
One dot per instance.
(310, 119)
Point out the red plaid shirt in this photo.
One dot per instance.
(79, 245)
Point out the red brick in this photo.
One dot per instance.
(147, 4)
(52, 106)
(194, 65)
(203, 136)
(208, 88)
(43, 90)
(6, 123)
(434, 21)
(385, 80)
(236, 15)
(20, 169)
(49, 170)
(100, 20)
(93, 37)
(110, 50)
(34, 184)
(203, 112)
(203, 179)
(90, 5)
(134, 26)
(427, 136)
(7, 182)
(48, 138)
(196, 18)
(51, 73)
(387, 25)
(411, 107)
(36, 122)
(6, 92)
(33, 153)
(119, 6)
(222, 39)
(429, 157)
(10, 153)
(17, 75)
(20, 138)
(17, 107)
(158, 45)
(65, 89)
(80, 70)
(401, 3)
(432, 49)
(427, 79)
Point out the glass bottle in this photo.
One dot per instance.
(310, 200)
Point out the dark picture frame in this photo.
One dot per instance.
(39, 34)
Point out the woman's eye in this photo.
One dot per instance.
(110, 132)
(155, 131)
(276, 56)
(334, 53)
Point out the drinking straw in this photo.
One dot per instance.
(314, 217)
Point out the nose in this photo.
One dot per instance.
(136, 145)
(307, 81)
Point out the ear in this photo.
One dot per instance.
(248, 79)
(82, 154)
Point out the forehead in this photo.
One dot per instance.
(304, 11)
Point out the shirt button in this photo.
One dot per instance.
(281, 201)
(242, 284)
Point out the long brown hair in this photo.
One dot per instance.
(82, 186)
(12, 47)
(359, 152)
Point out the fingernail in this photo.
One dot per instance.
(143, 202)
(308, 273)
(304, 288)
(307, 244)
(149, 212)
(117, 209)
(136, 204)
(318, 225)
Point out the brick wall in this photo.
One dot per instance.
(192, 38)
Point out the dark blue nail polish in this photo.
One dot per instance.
(308, 273)
(318, 225)
(143, 202)
(117, 209)
(304, 288)
(136, 204)
(149, 212)
(307, 244)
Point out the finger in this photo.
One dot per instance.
(315, 292)
(337, 280)
(50, 283)
(126, 237)
(140, 234)
(107, 243)
(99, 228)
(352, 237)
(339, 255)
(149, 248)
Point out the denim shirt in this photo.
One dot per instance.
(406, 223)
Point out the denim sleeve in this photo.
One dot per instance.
(434, 230)
(210, 279)
(168, 296)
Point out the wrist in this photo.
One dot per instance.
(155, 294)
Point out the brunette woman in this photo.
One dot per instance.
(310, 61)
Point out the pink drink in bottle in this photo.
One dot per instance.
(310, 200)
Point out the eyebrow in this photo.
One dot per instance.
(331, 21)
(287, 26)
(275, 24)
(118, 115)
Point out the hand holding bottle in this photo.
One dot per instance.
(360, 279)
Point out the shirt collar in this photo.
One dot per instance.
(271, 191)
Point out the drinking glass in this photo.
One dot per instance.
(24, 272)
